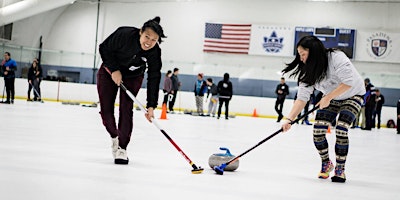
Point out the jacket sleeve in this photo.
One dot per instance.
(230, 90)
(168, 85)
(304, 92)
(108, 50)
(13, 66)
(153, 78)
(204, 87)
(286, 90)
(208, 91)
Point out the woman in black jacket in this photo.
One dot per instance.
(34, 79)
(127, 54)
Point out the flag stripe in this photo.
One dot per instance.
(227, 38)
(226, 41)
(225, 51)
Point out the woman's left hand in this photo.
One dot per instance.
(286, 126)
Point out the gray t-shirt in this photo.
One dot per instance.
(340, 70)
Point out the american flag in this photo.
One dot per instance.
(227, 38)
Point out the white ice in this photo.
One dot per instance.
(54, 151)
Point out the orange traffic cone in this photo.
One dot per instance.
(255, 113)
(329, 129)
(164, 112)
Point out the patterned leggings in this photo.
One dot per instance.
(347, 110)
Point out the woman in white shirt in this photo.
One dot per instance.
(331, 72)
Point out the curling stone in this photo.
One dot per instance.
(218, 159)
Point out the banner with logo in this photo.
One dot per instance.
(271, 40)
(378, 46)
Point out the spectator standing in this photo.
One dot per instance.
(9, 66)
(379, 101)
(225, 92)
(176, 84)
(398, 117)
(282, 90)
(34, 79)
(167, 87)
(369, 104)
(213, 90)
(200, 88)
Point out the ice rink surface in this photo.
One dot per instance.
(54, 151)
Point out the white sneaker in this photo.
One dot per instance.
(121, 157)
(114, 146)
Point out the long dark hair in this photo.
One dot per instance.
(154, 24)
(316, 66)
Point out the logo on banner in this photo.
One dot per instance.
(273, 44)
(379, 45)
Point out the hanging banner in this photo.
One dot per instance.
(378, 46)
(271, 40)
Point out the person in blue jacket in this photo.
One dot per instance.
(9, 66)
(200, 88)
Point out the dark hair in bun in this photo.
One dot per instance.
(154, 24)
(157, 19)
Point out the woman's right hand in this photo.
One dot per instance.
(117, 77)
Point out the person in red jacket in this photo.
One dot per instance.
(127, 54)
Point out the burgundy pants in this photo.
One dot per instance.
(108, 90)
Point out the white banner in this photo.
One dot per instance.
(378, 46)
(271, 40)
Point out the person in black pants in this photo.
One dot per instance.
(225, 92)
(9, 66)
(282, 90)
(398, 117)
(176, 84)
(379, 101)
(369, 104)
(167, 87)
(34, 79)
